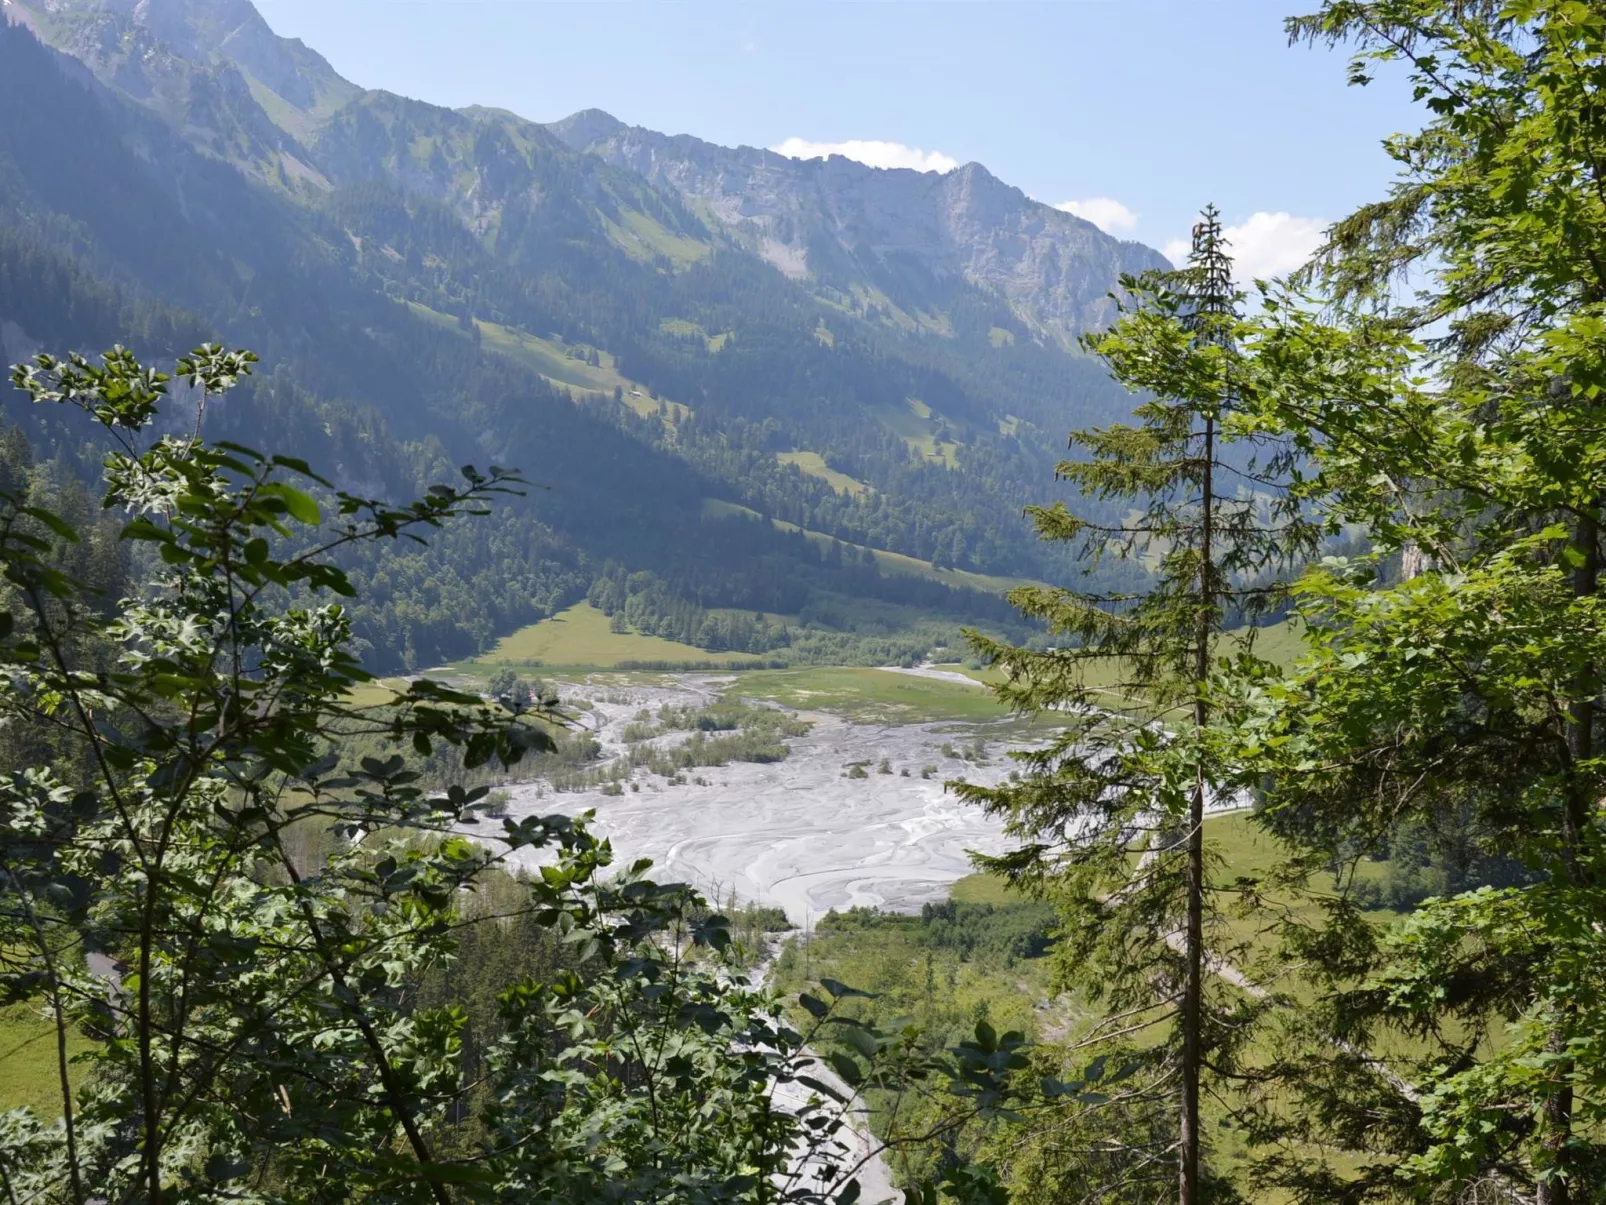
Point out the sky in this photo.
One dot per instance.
(1130, 113)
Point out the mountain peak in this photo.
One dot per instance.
(580, 130)
(856, 230)
(146, 49)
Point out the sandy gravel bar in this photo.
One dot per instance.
(799, 833)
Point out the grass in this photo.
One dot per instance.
(1280, 643)
(642, 238)
(813, 464)
(915, 423)
(887, 959)
(28, 1061)
(1245, 849)
(982, 888)
(887, 562)
(582, 638)
(376, 693)
(897, 562)
(686, 329)
(869, 695)
(551, 359)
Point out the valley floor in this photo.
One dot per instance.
(800, 833)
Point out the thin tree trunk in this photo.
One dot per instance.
(1192, 1018)
(152, 1153)
(59, 1014)
(1558, 1108)
(395, 1092)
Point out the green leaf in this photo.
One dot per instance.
(841, 991)
(456, 1173)
(300, 505)
(53, 521)
(845, 1067)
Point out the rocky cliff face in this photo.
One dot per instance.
(852, 227)
(918, 251)
(213, 69)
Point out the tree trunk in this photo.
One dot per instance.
(1192, 1002)
(1558, 1108)
(1192, 1016)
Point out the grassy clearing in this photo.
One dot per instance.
(28, 1061)
(376, 693)
(916, 424)
(897, 562)
(869, 695)
(581, 637)
(685, 329)
(887, 562)
(982, 888)
(552, 359)
(549, 357)
(642, 238)
(987, 676)
(887, 955)
(718, 508)
(1243, 848)
(813, 464)
(1280, 643)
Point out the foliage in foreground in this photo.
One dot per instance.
(258, 1036)
(1454, 678)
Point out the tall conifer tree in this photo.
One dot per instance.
(1112, 812)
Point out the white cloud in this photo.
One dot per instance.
(1263, 245)
(1108, 214)
(872, 152)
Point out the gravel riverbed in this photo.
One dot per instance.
(798, 833)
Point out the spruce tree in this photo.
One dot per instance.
(1111, 813)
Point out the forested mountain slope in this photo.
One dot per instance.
(429, 288)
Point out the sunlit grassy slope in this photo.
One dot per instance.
(551, 358)
(28, 1072)
(581, 637)
(814, 465)
(888, 562)
(376, 693)
(915, 423)
(870, 695)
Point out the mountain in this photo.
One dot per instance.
(738, 376)
(884, 240)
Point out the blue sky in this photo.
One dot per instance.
(1139, 111)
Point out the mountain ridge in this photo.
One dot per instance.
(882, 241)
(961, 222)
(430, 286)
